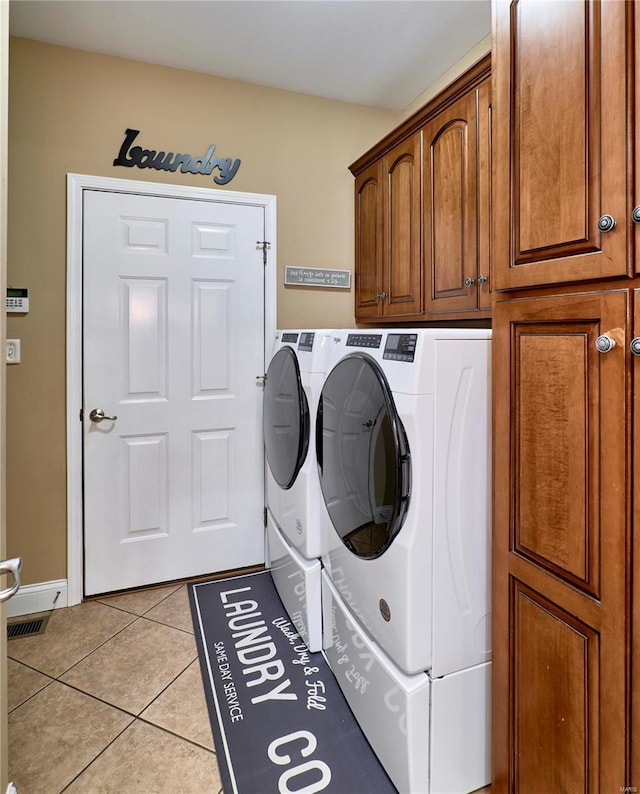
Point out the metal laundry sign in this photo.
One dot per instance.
(207, 163)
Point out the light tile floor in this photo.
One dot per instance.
(109, 699)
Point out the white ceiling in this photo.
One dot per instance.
(382, 53)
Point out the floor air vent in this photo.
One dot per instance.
(26, 626)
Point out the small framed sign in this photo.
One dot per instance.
(317, 277)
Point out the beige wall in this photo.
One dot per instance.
(459, 68)
(67, 113)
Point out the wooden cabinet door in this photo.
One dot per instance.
(402, 272)
(560, 547)
(560, 85)
(635, 651)
(635, 195)
(368, 234)
(450, 208)
(484, 117)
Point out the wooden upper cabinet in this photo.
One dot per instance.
(368, 233)
(560, 544)
(560, 89)
(635, 199)
(450, 183)
(388, 276)
(422, 214)
(402, 272)
(456, 167)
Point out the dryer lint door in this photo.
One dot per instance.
(363, 456)
(286, 418)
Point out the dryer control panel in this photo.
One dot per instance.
(400, 347)
(306, 341)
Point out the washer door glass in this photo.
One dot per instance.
(363, 456)
(286, 418)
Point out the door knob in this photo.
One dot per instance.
(97, 415)
(13, 567)
(606, 223)
(605, 343)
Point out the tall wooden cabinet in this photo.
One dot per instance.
(566, 544)
(422, 211)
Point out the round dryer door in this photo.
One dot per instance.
(286, 418)
(363, 456)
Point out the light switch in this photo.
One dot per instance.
(13, 351)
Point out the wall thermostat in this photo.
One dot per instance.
(17, 299)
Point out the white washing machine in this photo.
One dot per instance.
(404, 461)
(294, 379)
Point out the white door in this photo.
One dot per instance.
(173, 341)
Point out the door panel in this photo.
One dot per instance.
(484, 112)
(450, 216)
(402, 279)
(559, 545)
(173, 341)
(547, 638)
(369, 220)
(559, 154)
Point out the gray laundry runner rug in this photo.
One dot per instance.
(280, 722)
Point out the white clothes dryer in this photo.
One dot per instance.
(403, 447)
(294, 540)
(294, 379)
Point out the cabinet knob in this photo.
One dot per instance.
(482, 279)
(635, 346)
(382, 296)
(635, 215)
(469, 282)
(606, 223)
(605, 343)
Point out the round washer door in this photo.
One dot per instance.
(286, 418)
(363, 456)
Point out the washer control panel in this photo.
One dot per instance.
(400, 347)
(364, 340)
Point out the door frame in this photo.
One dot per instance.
(76, 185)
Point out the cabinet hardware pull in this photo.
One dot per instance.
(482, 279)
(635, 215)
(635, 346)
(606, 223)
(605, 343)
(469, 282)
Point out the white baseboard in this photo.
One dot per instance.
(39, 597)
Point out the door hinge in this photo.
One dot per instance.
(265, 517)
(265, 246)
